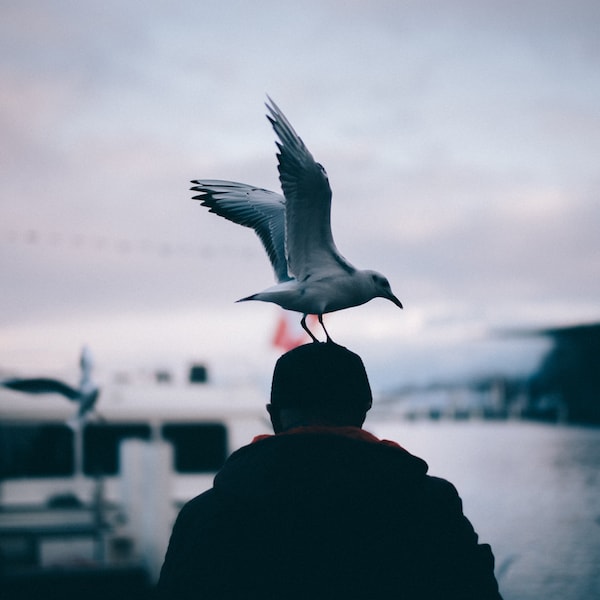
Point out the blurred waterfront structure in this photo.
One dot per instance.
(569, 375)
(565, 387)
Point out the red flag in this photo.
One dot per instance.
(289, 333)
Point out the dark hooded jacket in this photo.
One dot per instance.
(321, 515)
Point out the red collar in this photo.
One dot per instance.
(355, 433)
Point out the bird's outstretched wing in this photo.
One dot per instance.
(260, 209)
(41, 385)
(309, 242)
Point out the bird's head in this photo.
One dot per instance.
(382, 289)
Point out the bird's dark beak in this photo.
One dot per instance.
(394, 300)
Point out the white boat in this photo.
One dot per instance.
(104, 493)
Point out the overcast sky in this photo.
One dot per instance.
(461, 139)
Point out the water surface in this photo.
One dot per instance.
(531, 490)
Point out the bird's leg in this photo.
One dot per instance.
(320, 317)
(305, 327)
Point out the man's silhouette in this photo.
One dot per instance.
(324, 509)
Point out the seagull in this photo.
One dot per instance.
(313, 278)
(85, 395)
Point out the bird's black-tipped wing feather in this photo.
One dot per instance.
(254, 207)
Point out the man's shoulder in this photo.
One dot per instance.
(202, 504)
(441, 486)
(442, 494)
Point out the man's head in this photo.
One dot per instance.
(319, 384)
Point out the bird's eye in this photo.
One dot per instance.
(380, 281)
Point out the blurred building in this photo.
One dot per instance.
(568, 377)
(564, 387)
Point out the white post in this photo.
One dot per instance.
(146, 493)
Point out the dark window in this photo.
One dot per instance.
(36, 450)
(101, 445)
(198, 374)
(199, 447)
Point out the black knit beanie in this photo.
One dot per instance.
(320, 374)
